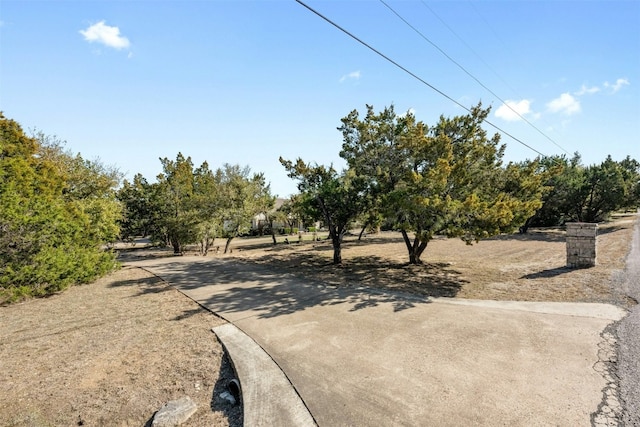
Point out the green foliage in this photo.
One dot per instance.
(56, 212)
(292, 212)
(242, 196)
(175, 202)
(139, 215)
(588, 193)
(329, 196)
(188, 205)
(447, 179)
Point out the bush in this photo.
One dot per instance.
(52, 228)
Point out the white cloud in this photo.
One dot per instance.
(105, 34)
(355, 75)
(512, 111)
(617, 85)
(584, 90)
(565, 104)
(411, 111)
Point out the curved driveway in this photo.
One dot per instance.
(363, 358)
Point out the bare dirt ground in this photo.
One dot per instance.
(112, 352)
(527, 267)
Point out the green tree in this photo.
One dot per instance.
(139, 215)
(325, 194)
(176, 204)
(243, 195)
(588, 193)
(51, 233)
(631, 175)
(447, 179)
(208, 204)
(292, 212)
(372, 150)
(604, 191)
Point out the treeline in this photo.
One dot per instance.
(59, 212)
(575, 192)
(56, 212)
(190, 205)
(449, 179)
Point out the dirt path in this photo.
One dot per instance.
(111, 354)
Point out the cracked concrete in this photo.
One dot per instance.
(609, 413)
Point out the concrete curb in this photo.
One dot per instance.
(268, 397)
(580, 309)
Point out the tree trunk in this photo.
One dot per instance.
(335, 232)
(226, 247)
(525, 228)
(415, 249)
(336, 241)
(337, 251)
(273, 233)
(362, 232)
(177, 249)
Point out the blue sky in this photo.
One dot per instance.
(248, 81)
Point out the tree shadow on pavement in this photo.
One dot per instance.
(273, 285)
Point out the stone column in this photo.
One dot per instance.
(581, 244)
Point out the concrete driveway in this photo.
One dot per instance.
(363, 358)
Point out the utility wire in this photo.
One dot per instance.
(497, 36)
(413, 75)
(443, 22)
(471, 75)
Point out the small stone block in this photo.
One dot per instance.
(581, 244)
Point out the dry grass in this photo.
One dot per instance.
(510, 267)
(111, 354)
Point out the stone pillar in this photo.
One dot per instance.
(581, 244)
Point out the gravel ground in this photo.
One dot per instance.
(629, 338)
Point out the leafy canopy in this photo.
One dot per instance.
(446, 179)
(57, 211)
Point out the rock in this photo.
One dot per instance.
(174, 413)
(225, 395)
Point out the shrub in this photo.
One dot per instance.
(56, 213)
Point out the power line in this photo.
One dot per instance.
(500, 39)
(471, 75)
(471, 48)
(413, 75)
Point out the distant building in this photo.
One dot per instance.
(260, 220)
